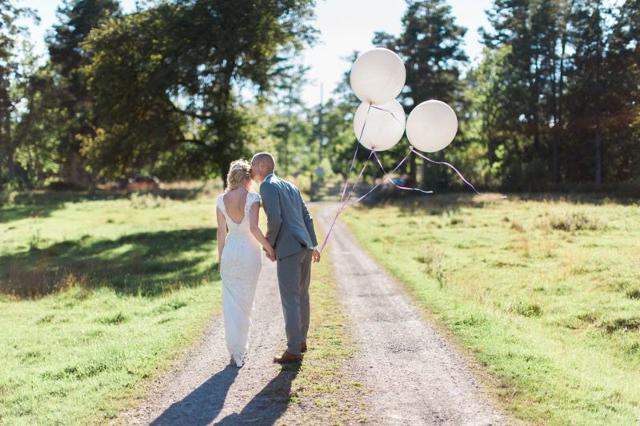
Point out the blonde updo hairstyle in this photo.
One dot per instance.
(239, 173)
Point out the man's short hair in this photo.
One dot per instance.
(266, 159)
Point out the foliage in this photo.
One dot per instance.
(10, 31)
(554, 95)
(551, 103)
(72, 96)
(154, 97)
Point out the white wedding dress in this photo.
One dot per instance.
(240, 266)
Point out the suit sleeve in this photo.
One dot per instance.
(271, 203)
(308, 221)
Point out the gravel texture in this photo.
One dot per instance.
(414, 375)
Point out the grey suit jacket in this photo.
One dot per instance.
(289, 223)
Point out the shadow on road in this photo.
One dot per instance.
(202, 405)
(269, 404)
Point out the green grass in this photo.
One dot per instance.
(97, 294)
(546, 293)
(324, 391)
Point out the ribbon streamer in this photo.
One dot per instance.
(353, 162)
(405, 188)
(444, 163)
(345, 202)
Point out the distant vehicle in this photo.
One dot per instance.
(136, 183)
(143, 183)
(403, 180)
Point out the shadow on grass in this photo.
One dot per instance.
(430, 204)
(146, 263)
(448, 203)
(43, 203)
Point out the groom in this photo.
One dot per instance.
(290, 231)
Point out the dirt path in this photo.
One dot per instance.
(206, 390)
(411, 374)
(414, 376)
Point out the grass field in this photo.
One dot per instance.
(545, 292)
(98, 293)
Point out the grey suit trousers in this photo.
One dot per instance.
(294, 276)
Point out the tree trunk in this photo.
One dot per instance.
(598, 158)
(74, 173)
(559, 104)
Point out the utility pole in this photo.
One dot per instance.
(317, 174)
(320, 129)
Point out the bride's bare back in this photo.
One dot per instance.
(234, 203)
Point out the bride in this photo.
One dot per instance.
(239, 255)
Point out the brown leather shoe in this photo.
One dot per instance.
(287, 358)
(303, 347)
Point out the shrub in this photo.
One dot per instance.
(573, 222)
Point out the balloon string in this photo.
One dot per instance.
(344, 198)
(405, 188)
(444, 163)
(353, 162)
(378, 185)
(353, 187)
(365, 122)
(344, 204)
(355, 155)
(386, 110)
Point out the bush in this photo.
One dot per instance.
(573, 222)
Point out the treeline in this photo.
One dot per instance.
(176, 89)
(554, 100)
(179, 89)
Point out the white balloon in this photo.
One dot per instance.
(379, 127)
(377, 76)
(431, 126)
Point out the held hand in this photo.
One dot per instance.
(315, 256)
(270, 252)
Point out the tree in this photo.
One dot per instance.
(9, 70)
(291, 132)
(40, 124)
(588, 81)
(67, 57)
(170, 80)
(534, 32)
(488, 120)
(623, 80)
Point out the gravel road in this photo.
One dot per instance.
(413, 376)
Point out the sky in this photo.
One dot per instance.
(344, 25)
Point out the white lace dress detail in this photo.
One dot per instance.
(240, 266)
